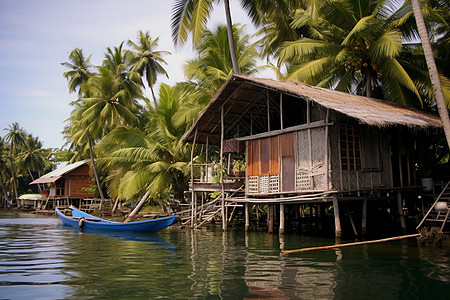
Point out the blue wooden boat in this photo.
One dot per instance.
(86, 221)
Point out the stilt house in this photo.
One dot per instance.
(305, 144)
(66, 184)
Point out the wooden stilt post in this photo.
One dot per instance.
(202, 206)
(400, 211)
(281, 231)
(224, 217)
(364, 218)
(351, 221)
(268, 110)
(337, 220)
(247, 217)
(192, 179)
(195, 208)
(282, 242)
(270, 218)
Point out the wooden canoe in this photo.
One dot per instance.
(86, 221)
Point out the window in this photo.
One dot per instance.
(370, 147)
(350, 148)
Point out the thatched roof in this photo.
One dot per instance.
(240, 93)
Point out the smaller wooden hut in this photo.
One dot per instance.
(66, 185)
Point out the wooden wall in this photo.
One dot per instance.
(374, 146)
(76, 180)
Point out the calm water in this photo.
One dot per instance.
(41, 259)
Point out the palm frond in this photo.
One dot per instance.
(388, 45)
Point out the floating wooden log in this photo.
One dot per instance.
(287, 252)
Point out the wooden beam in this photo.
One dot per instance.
(250, 106)
(312, 125)
(222, 113)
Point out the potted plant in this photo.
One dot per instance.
(239, 168)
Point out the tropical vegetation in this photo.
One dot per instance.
(22, 159)
(135, 144)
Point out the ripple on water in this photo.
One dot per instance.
(41, 259)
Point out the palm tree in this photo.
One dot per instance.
(32, 156)
(213, 65)
(146, 60)
(79, 70)
(191, 16)
(153, 159)
(434, 75)
(118, 60)
(274, 18)
(3, 168)
(15, 137)
(353, 47)
(111, 104)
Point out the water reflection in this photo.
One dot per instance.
(39, 258)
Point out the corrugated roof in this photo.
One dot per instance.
(239, 92)
(56, 174)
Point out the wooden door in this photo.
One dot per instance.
(288, 162)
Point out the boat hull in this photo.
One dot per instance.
(85, 221)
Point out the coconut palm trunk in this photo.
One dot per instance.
(138, 208)
(13, 174)
(434, 75)
(230, 37)
(32, 178)
(5, 193)
(116, 204)
(94, 167)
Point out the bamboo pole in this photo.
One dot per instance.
(224, 219)
(287, 252)
(192, 179)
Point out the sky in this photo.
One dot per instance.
(37, 36)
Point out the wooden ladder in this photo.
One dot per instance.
(441, 216)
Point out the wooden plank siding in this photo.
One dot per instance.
(265, 156)
(274, 155)
(75, 181)
(288, 162)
